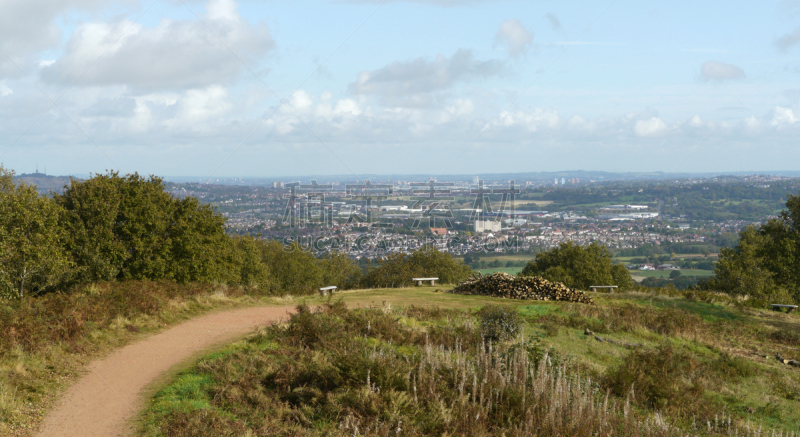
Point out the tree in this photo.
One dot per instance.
(763, 265)
(31, 256)
(398, 269)
(339, 270)
(675, 274)
(294, 270)
(129, 227)
(579, 267)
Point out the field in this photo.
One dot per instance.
(511, 270)
(665, 273)
(678, 367)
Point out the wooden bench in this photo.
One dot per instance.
(420, 280)
(324, 290)
(595, 287)
(778, 307)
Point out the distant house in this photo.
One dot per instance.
(647, 267)
(668, 267)
(439, 231)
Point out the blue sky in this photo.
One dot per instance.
(277, 88)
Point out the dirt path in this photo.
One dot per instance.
(103, 401)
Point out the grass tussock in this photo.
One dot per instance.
(416, 372)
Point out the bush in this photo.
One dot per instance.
(499, 323)
(663, 378)
(579, 267)
(398, 269)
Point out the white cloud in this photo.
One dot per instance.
(783, 116)
(5, 90)
(533, 121)
(415, 83)
(27, 27)
(173, 54)
(652, 127)
(720, 71)
(514, 37)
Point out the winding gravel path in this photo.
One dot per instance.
(103, 402)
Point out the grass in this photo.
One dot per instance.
(700, 370)
(45, 342)
(665, 273)
(511, 270)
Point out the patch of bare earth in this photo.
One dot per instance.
(103, 402)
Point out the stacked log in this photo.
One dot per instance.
(520, 287)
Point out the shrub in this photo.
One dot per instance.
(662, 378)
(398, 269)
(579, 267)
(499, 323)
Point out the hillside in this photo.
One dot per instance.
(413, 361)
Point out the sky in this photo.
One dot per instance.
(269, 88)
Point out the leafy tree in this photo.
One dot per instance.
(398, 269)
(31, 256)
(675, 274)
(394, 271)
(242, 264)
(339, 270)
(764, 263)
(444, 266)
(579, 267)
(129, 227)
(294, 270)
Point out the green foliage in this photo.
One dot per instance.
(338, 372)
(579, 267)
(31, 256)
(398, 269)
(294, 270)
(764, 263)
(662, 378)
(499, 323)
(339, 270)
(129, 227)
(67, 319)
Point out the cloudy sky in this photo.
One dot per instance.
(276, 88)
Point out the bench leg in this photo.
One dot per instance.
(432, 283)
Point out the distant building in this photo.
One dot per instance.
(487, 226)
(439, 231)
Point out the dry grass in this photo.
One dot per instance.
(428, 371)
(46, 341)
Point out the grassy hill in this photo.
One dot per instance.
(413, 360)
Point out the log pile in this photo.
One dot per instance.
(520, 287)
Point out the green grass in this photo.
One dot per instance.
(511, 270)
(665, 273)
(712, 371)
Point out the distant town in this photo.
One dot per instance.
(650, 225)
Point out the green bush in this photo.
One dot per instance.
(579, 267)
(663, 378)
(499, 323)
(398, 269)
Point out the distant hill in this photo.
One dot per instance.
(44, 183)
